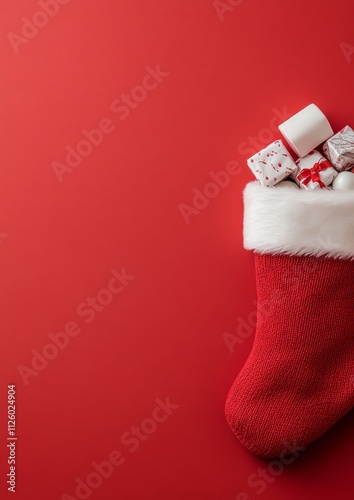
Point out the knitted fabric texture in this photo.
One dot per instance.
(299, 378)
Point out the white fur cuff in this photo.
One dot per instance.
(298, 222)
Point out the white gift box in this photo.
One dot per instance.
(272, 164)
(306, 130)
(314, 171)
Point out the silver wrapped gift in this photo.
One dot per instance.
(339, 149)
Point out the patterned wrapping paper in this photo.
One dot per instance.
(272, 164)
(339, 149)
(314, 171)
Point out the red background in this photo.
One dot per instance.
(163, 335)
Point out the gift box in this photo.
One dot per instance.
(339, 149)
(272, 164)
(305, 130)
(314, 171)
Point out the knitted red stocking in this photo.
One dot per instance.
(299, 378)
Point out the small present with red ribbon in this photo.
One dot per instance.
(314, 171)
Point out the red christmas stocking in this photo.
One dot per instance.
(299, 378)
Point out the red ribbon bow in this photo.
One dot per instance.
(313, 173)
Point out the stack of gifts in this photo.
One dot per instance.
(333, 168)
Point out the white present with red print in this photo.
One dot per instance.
(272, 164)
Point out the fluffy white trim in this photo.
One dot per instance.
(298, 222)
